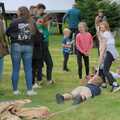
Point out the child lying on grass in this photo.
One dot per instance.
(82, 93)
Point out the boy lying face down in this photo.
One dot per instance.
(82, 93)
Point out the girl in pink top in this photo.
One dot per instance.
(84, 44)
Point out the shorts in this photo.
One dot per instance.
(83, 91)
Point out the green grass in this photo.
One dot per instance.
(104, 107)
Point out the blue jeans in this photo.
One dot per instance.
(1, 67)
(24, 53)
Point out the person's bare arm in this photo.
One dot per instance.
(97, 21)
(102, 50)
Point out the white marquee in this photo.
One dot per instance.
(52, 5)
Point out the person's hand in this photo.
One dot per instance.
(68, 46)
(40, 21)
(87, 53)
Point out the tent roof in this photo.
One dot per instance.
(51, 5)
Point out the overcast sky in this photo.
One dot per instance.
(55, 5)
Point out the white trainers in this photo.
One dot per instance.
(35, 86)
(116, 89)
(17, 92)
(31, 93)
(51, 82)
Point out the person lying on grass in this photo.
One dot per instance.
(82, 93)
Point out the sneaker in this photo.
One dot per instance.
(40, 82)
(115, 89)
(51, 82)
(66, 69)
(17, 92)
(77, 100)
(59, 98)
(104, 85)
(31, 93)
(35, 86)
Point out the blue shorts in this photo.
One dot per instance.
(95, 90)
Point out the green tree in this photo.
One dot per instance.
(89, 10)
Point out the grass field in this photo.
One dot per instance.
(104, 107)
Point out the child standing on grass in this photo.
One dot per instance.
(66, 48)
(84, 44)
(108, 53)
(42, 26)
(37, 59)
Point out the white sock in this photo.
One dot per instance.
(115, 84)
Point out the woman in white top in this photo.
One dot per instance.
(108, 53)
(98, 19)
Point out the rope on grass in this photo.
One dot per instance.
(62, 111)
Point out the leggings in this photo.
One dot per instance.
(66, 58)
(79, 61)
(106, 68)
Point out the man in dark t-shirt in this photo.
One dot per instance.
(73, 17)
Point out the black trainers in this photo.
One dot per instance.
(59, 98)
(115, 89)
(77, 100)
(66, 69)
